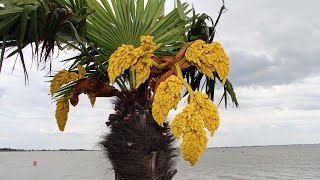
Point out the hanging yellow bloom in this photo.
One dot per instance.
(92, 99)
(178, 124)
(209, 58)
(147, 44)
(166, 97)
(194, 52)
(82, 71)
(220, 60)
(120, 60)
(138, 59)
(64, 77)
(62, 111)
(142, 69)
(189, 123)
(193, 145)
(58, 80)
(189, 117)
(72, 77)
(208, 111)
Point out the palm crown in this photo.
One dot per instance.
(130, 43)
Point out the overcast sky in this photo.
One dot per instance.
(274, 54)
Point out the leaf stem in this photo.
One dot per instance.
(121, 84)
(183, 60)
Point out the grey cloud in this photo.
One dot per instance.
(286, 66)
(271, 42)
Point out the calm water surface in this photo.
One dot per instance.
(252, 163)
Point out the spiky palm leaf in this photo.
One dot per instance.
(39, 21)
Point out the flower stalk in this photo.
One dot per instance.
(188, 87)
(157, 65)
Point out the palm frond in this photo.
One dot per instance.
(124, 22)
(39, 21)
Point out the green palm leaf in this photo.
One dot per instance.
(125, 21)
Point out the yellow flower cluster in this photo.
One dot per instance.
(190, 123)
(167, 96)
(62, 111)
(193, 145)
(209, 58)
(58, 80)
(120, 60)
(138, 59)
(178, 124)
(147, 44)
(64, 77)
(208, 111)
(142, 69)
(72, 77)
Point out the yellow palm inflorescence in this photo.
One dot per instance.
(193, 145)
(62, 111)
(64, 77)
(178, 124)
(209, 58)
(166, 98)
(72, 76)
(138, 59)
(61, 78)
(120, 60)
(208, 111)
(190, 124)
(142, 69)
(147, 44)
(58, 80)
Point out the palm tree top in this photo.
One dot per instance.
(130, 43)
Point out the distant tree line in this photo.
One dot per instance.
(9, 149)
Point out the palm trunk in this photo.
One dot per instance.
(137, 147)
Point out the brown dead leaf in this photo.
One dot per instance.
(182, 51)
(74, 99)
(105, 91)
(87, 85)
(166, 58)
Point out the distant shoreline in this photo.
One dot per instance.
(272, 145)
(253, 146)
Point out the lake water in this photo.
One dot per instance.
(272, 162)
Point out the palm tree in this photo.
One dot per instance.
(129, 50)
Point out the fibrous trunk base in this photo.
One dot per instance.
(137, 147)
